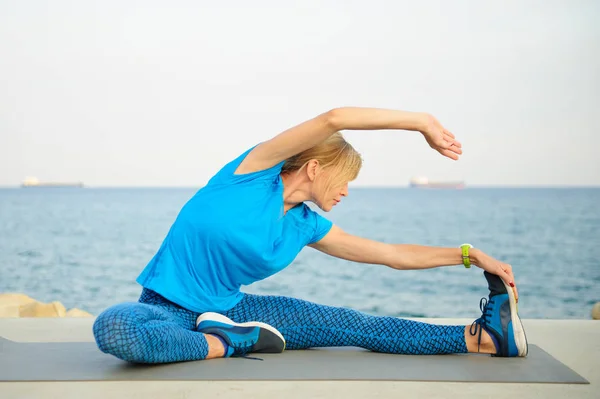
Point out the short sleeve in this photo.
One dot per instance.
(227, 174)
(321, 225)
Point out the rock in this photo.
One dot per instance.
(15, 299)
(78, 313)
(596, 311)
(20, 305)
(9, 310)
(38, 309)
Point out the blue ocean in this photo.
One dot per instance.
(85, 247)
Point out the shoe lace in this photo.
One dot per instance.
(241, 349)
(251, 357)
(478, 325)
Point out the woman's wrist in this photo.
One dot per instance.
(474, 256)
(423, 121)
(415, 121)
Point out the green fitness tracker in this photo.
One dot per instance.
(465, 255)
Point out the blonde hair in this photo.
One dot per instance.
(334, 154)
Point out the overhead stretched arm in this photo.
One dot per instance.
(312, 132)
(342, 245)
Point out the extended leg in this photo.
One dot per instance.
(305, 324)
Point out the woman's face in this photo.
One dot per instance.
(328, 197)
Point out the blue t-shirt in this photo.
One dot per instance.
(232, 232)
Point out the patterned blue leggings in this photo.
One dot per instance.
(155, 330)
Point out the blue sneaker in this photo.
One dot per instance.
(501, 320)
(242, 338)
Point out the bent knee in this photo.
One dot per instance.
(118, 330)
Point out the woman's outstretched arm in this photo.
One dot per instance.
(314, 131)
(342, 245)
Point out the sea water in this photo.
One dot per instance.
(85, 247)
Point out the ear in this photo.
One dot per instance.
(312, 169)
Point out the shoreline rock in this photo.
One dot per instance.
(21, 305)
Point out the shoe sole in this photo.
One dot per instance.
(518, 330)
(226, 320)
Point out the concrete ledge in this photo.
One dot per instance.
(576, 343)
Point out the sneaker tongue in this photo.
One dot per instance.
(495, 284)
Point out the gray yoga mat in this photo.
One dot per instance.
(82, 361)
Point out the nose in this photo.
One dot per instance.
(344, 191)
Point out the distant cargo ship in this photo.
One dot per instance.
(423, 182)
(33, 182)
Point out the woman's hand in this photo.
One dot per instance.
(494, 266)
(439, 138)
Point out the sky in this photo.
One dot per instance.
(164, 93)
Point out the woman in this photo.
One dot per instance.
(250, 221)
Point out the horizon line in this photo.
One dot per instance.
(351, 186)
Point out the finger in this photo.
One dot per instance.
(449, 138)
(449, 133)
(508, 270)
(443, 143)
(449, 154)
(455, 149)
(512, 282)
(506, 277)
(452, 141)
